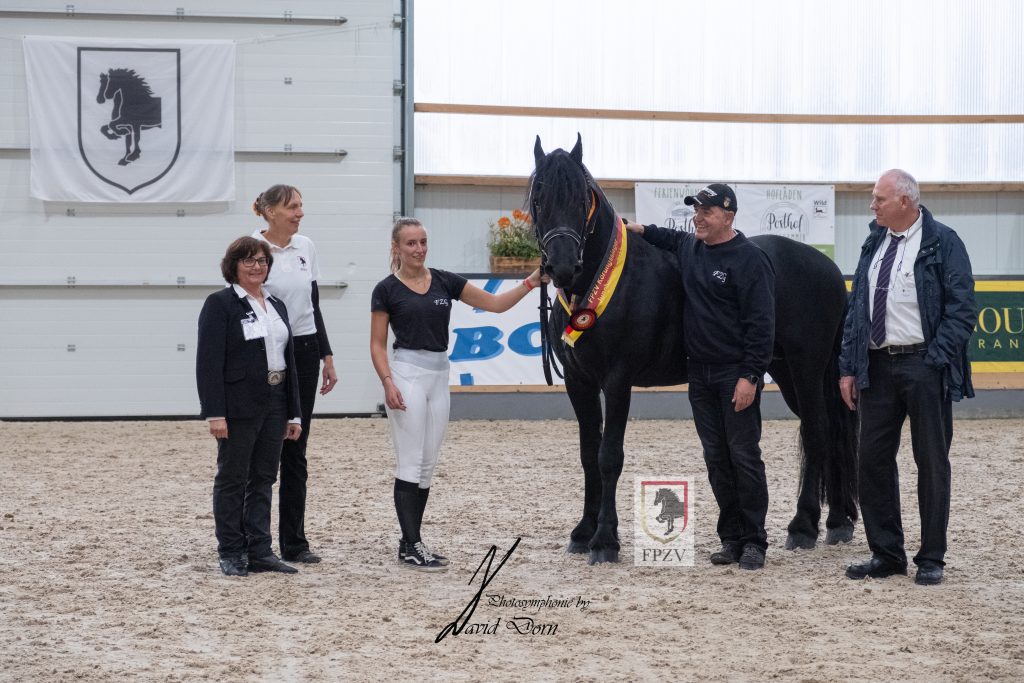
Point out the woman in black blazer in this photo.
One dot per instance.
(248, 391)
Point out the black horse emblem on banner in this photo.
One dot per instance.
(135, 109)
(139, 97)
(671, 509)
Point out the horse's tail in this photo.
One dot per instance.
(839, 472)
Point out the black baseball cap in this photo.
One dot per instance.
(715, 194)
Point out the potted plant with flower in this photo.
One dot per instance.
(513, 246)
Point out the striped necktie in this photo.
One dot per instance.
(882, 291)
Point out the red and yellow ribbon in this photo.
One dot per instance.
(600, 293)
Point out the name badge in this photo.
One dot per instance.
(253, 328)
(905, 289)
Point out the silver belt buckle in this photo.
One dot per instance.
(275, 377)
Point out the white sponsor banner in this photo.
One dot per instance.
(115, 120)
(805, 213)
(497, 348)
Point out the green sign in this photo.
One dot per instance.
(995, 345)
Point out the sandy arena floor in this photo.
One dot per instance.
(108, 568)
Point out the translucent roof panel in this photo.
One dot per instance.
(805, 57)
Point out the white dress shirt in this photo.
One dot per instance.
(902, 313)
(271, 327)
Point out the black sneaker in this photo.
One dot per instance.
(403, 549)
(728, 554)
(752, 557)
(418, 557)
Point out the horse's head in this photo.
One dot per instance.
(102, 96)
(562, 204)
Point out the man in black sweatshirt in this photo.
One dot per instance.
(729, 289)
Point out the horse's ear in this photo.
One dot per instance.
(538, 152)
(577, 151)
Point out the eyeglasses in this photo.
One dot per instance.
(250, 262)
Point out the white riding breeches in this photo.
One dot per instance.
(418, 431)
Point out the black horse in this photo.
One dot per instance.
(637, 341)
(135, 109)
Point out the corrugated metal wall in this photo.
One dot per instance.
(134, 346)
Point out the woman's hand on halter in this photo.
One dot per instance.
(535, 278)
(392, 396)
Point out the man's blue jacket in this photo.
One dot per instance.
(945, 295)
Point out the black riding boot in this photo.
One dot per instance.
(421, 500)
(409, 509)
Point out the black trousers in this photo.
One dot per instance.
(904, 386)
(732, 451)
(294, 472)
(246, 469)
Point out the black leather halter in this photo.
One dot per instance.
(580, 238)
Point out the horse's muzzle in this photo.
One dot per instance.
(563, 275)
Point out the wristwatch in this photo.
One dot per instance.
(753, 379)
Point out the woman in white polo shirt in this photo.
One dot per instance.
(293, 281)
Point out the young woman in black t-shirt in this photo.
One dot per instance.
(416, 302)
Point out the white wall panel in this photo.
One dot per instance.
(991, 224)
(126, 359)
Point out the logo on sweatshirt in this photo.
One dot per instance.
(720, 276)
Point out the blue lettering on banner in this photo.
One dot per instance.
(521, 340)
(483, 343)
(466, 379)
(476, 343)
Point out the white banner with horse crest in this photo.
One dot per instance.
(114, 120)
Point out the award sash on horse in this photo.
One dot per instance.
(584, 311)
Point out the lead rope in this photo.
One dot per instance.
(547, 352)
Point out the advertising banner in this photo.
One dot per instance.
(805, 213)
(497, 349)
(996, 343)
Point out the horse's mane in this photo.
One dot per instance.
(558, 181)
(133, 79)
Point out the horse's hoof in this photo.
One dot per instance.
(605, 555)
(801, 541)
(122, 163)
(841, 534)
(577, 548)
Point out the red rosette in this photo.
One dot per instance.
(583, 319)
